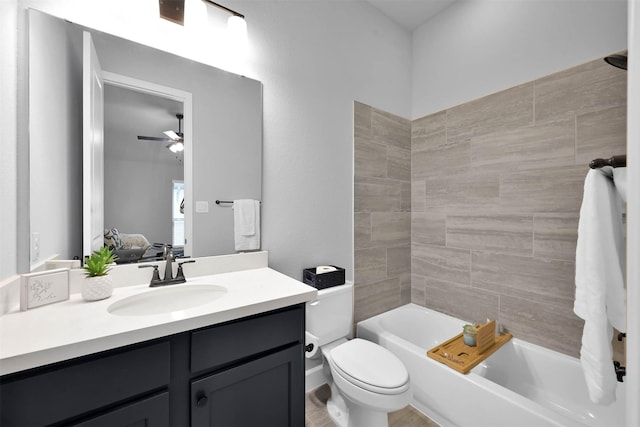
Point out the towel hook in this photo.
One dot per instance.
(619, 161)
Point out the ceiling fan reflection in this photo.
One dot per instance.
(175, 139)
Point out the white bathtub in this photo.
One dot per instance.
(520, 385)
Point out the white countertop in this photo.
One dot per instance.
(75, 327)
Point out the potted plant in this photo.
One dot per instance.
(97, 284)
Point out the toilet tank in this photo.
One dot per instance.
(330, 316)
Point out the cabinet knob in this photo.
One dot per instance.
(201, 400)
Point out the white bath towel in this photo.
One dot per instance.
(246, 224)
(620, 181)
(600, 289)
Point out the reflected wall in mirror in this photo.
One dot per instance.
(224, 160)
(148, 167)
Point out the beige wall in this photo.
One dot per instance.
(496, 187)
(382, 218)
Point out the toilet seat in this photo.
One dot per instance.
(370, 366)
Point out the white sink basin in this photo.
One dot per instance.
(166, 300)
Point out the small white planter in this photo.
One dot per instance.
(96, 288)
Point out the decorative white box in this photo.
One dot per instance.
(55, 264)
(44, 287)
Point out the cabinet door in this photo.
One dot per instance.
(265, 392)
(150, 412)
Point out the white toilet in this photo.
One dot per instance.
(367, 381)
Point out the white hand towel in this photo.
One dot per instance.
(600, 289)
(246, 224)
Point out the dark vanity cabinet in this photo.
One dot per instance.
(247, 372)
(64, 391)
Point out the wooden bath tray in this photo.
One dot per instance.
(461, 357)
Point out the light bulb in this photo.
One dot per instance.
(237, 28)
(176, 147)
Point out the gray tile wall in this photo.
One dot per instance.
(382, 218)
(496, 187)
(480, 202)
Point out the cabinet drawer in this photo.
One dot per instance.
(83, 385)
(150, 412)
(231, 342)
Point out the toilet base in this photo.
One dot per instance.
(337, 407)
(347, 414)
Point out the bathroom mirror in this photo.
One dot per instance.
(222, 135)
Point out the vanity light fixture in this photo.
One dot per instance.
(236, 24)
(172, 10)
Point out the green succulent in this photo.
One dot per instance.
(99, 263)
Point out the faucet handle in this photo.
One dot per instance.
(155, 277)
(180, 273)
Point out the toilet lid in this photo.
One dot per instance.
(370, 366)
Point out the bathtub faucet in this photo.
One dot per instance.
(621, 371)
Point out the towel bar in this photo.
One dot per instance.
(218, 202)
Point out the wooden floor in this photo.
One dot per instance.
(316, 412)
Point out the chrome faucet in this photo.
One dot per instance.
(168, 278)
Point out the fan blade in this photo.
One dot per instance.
(154, 138)
(171, 134)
